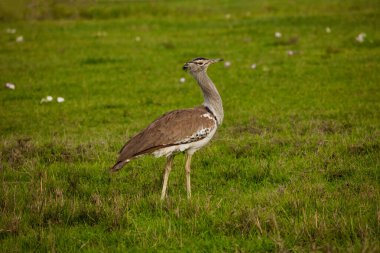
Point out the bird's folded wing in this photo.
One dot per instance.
(173, 128)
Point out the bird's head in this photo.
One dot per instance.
(199, 64)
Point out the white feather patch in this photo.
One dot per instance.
(207, 115)
(190, 147)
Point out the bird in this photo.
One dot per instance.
(179, 131)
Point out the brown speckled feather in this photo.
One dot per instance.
(168, 130)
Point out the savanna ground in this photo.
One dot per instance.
(294, 167)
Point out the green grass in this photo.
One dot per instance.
(294, 167)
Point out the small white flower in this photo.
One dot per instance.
(46, 99)
(19, 39)
(328, 29)
(182, 80)
(290, 52)
(10, 30)
(253, 66)
(227, 64)
(138, 38)
(10, 86)
(277, 35)
(60, 99)
(360, 38)
(227, 16)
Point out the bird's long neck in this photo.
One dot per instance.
(212, 99)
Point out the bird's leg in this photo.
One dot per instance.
(187, 167)
(168, 168)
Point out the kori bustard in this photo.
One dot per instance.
(185, 130)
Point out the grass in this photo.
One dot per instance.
(294, 167)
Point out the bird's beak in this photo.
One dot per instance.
(216, 60)
(185, 67)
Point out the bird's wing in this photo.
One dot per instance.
(173, 128)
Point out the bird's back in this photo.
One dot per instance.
(173, 128)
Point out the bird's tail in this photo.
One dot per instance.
(119, 165)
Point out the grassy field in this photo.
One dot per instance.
(294, 167)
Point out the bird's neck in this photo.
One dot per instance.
(212, 99)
